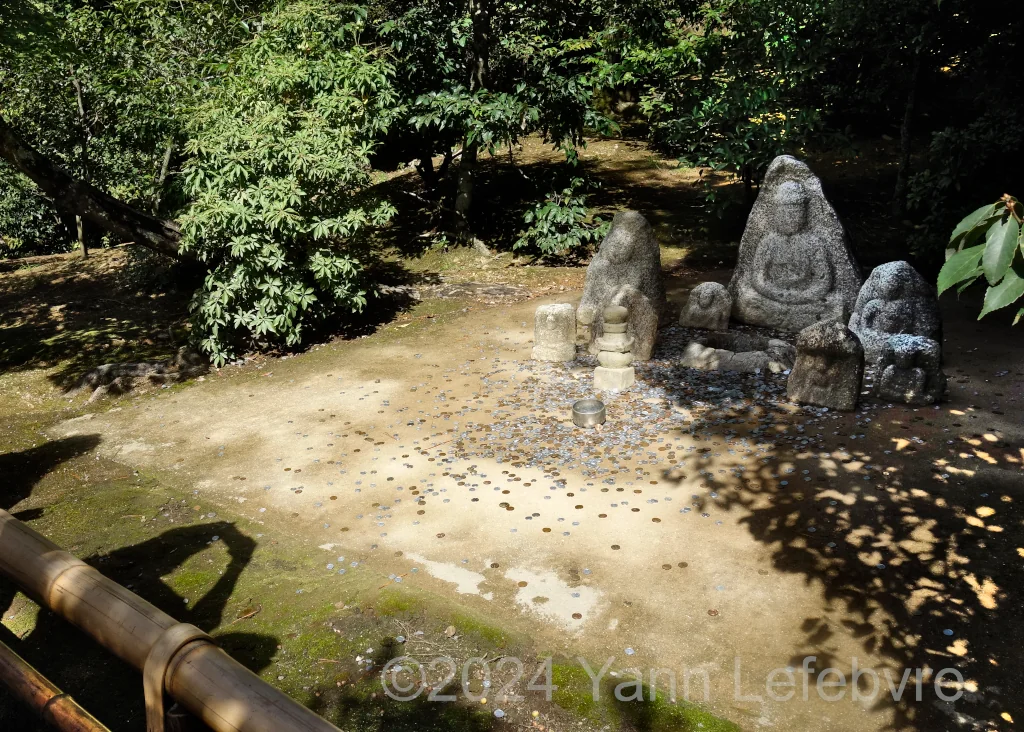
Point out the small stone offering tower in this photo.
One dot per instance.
(616, 352)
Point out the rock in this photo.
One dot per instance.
(554, 333)
(615, 372)
(829, 367)
(626, 272)
(113, 379)
(708, 306)
(795, 267)
(895, 300)
(910, 371)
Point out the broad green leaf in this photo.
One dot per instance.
(1000, 246)
(961, 266)
(973, 220)
(1005, 293)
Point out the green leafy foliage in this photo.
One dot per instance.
(561, 224)
(999, 258)
(543, 62)
(726, 90)
(28, 222)
(279, 176)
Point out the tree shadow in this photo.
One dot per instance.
(73, 315)
(912, 532)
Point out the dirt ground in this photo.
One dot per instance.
(428, 476)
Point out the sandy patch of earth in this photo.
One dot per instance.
(710, 523)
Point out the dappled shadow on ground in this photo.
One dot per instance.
(73, 315)
(911, 529)
(79, 314)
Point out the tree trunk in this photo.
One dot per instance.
(76, 197)
(479, 54)
(425, 167)
(899, 199)
(464, 192)
(80, 226)
(161, 179)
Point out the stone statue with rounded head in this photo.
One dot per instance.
(895, 300)
(626, 271)
(795, 267)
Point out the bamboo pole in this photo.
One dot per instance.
(200, 676)
(52, 705)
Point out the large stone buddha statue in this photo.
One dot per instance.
(795, 268)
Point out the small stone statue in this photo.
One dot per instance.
(738, 352)
(615, 355)
(554, 333)
(795, 268)
(910, 371)
(626, 271)
(829, 367)
(708, 307)
(894, 300)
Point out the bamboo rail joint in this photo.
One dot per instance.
(176, 659)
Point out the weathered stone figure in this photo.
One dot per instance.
(616, 352)
(829, 367)
(795, 268)
(708, 306)
(895, 300)
(910, 371)
(626, 271)
(738, 352)
(554, 333)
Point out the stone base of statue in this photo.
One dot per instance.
(614, 379)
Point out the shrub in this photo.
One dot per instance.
(279, 176)
(29, 223)
(560, 223)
